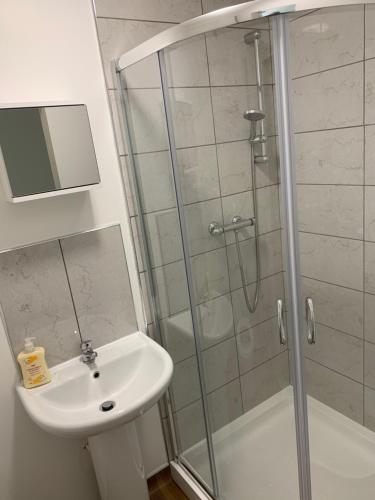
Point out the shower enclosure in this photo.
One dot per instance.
(250, 135)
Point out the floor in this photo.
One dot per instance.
(256, 454)
(162, 487)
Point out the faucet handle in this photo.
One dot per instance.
(86, 345)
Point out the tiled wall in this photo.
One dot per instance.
(212, 83)
(333, 55)
(55, 289)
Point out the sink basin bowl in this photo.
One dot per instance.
(132, 373)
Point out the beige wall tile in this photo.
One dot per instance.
(332, 210)
(151, 10)
(369, 31)
(36, 301)
(370, 267)
(327, 38)
(259, 344)
(330, 99)
(338, 351)
(264, 381)
(99, 281)
(335, 390)
(330, 157)
(117, 36)
(335, 306)
(369, 330)
(334, 260)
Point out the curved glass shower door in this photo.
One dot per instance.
(203, 151)
(219, 99)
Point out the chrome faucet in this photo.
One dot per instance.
(88, 355)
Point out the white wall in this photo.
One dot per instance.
(49, 52)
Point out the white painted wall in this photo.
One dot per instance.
(49, 52)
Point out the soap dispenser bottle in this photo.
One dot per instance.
(33, 365)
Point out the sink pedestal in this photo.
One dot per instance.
(118, 464)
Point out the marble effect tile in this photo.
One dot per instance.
(369, 407)
(99, 280)
(338, 351)
(147, 123)
(215, 321)
(171, 287)
(370, 91)
(326, 39)
(336, 306)
(190, 425)
(335, 390)
(225, 404)
(369, 371)
(369, 331)
(156, 182)
(369, 213)
(199, 173)
(177, 335)
(198, 217)
(370, 155)
(264, 381)
(330, 157)
(370, 267)
(369, 31)
(192, 116)
(185, 386)
(331, 210)
(271, 289)
(186, 63)
(334, 260)
(258, 345)
(232, 61)
(36, 301)
(229, 105)
(164, 237)
(220, 364)
(210, 274)
(117, 36)
(270, 259)
(330, 99)
(153, 10)
(234, 162)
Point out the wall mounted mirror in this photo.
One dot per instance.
(46, 150)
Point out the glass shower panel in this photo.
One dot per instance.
(212, 81)
(333, 102)
(160, 255)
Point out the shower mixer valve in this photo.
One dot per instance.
(238, 222)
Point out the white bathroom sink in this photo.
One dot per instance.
(132, 372)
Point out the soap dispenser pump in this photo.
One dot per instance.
(33, 365)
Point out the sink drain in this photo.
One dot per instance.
(107, 406)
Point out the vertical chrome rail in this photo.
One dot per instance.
(258, 71)
(280, 36)
(188, 268)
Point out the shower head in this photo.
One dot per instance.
(254, 115)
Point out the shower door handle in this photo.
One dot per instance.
(310, 320)
(280, 322)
